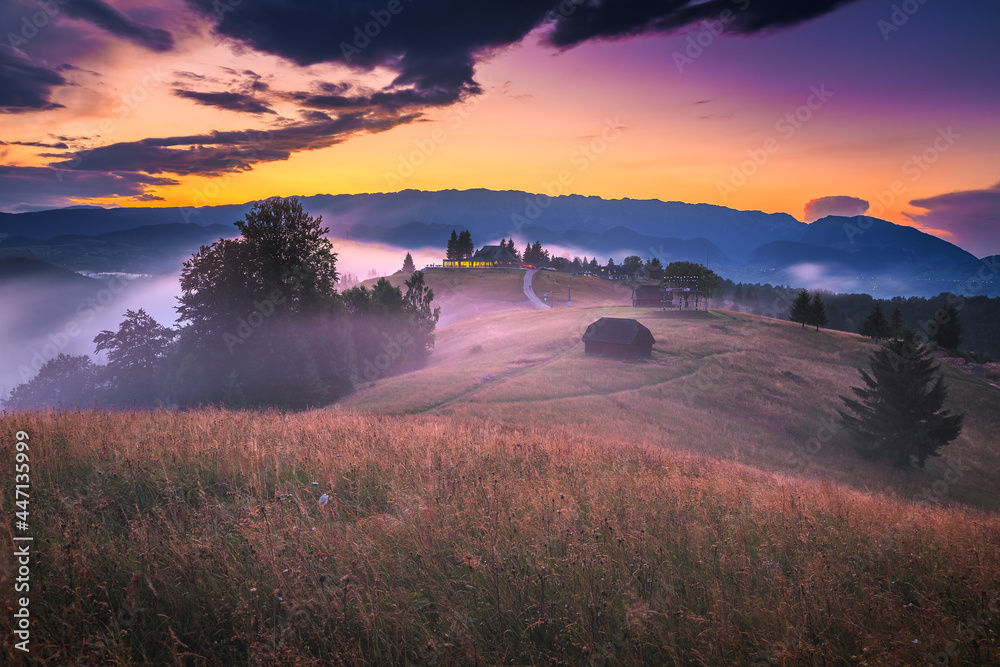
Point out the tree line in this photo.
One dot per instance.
(260, 323)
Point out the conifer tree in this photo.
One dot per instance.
(948, 335)
(817, 313)
(898, 415)
(875, 325)
(452, 252)
(408, 266)
(896, 325)
(801, 309)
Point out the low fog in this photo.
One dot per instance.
(44, 319)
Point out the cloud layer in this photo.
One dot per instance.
(972, 217)
(834, 205)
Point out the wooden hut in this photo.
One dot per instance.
(647, 296)
(618, 337)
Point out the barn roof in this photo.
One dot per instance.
(619, 331)
(494, 253)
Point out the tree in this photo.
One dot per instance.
(64, 381)
(452, 252)
(408, 266)
(875, 325)
(654, 269)
(465, 247)
(632, 265)
(261, 315)
(896, 325)
(898, 414)
(135, 352)
(512, 250)
(691, 274)
(424, 319)
(801, 310)
(948, 334)
(817, 313)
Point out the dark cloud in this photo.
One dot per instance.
(35, 144)
(970, 217)
(228, 101)
(217, 152)
(433, 45)
(110, 19)
(576, 21)
(50, 188)
(25, 86)
(835, 205)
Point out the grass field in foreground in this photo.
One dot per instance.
(197, 538)
(738, 387)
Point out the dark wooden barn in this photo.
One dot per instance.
(618, 337)
(647, 296)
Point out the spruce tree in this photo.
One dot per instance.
(949, 332)
(408, 266)
(452, 252)
(465, 247)
(801, 309)
(896, 325)
(875, 325)
(898, 414)
(817, 313)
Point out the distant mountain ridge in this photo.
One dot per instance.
(746, 245)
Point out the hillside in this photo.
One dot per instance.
(721, 384)
(516, 502)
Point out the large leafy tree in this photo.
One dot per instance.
(261, 314)
(801, 310)
(693, 275)
(899, 413)
(65, 381)
(632, 264)
(135, 352)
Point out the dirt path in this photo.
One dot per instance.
(538, 303)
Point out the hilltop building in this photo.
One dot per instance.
(618, 337)
(487, 257)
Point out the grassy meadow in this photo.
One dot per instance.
(517, 502)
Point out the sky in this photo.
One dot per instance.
(808, 108)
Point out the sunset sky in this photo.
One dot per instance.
(752, 104)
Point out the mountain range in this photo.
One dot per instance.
(743, 245)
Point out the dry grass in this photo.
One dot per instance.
(197, 538)
(740, 387)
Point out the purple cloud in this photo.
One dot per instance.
(49, 188)
(834, 205)
(110, 19)
(25, 86)
(971, 217)
(228, 101)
